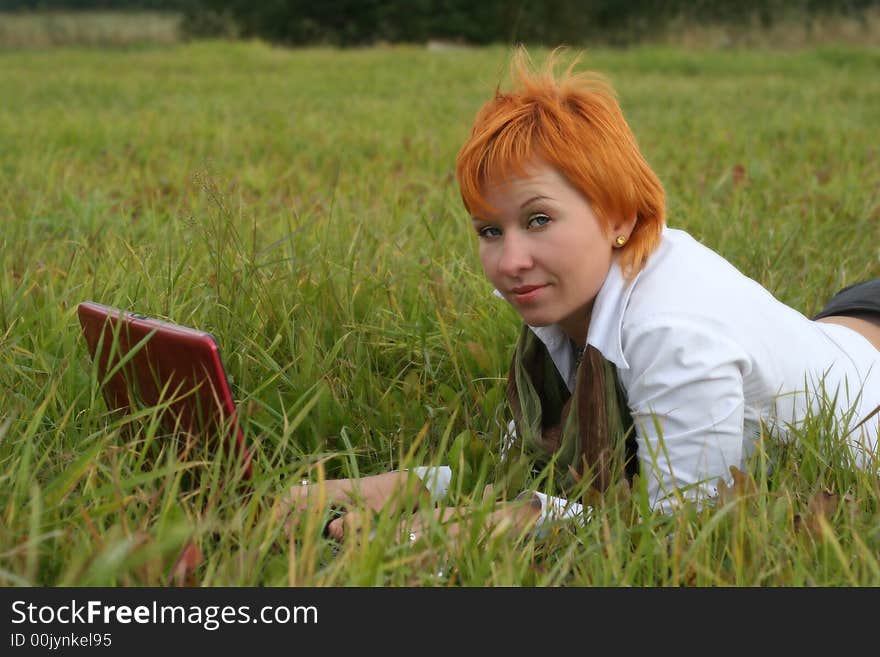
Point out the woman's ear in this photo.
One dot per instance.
(622, 229)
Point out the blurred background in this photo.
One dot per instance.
(698, 23)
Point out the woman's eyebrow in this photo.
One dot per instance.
(527, 202)
(533, 199)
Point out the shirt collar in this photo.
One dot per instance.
(606, 321)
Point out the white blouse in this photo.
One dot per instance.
(707, 356)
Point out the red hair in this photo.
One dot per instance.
(574, 124)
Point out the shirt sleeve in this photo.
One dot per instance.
(556, 510)
(436, 479)
(685, 393)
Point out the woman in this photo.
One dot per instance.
(631, 329)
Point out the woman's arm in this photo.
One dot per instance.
(550, 510)
(685, 391)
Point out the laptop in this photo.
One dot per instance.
(172, 370)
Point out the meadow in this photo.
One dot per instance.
(301, 206)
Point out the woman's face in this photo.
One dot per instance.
(544, 249)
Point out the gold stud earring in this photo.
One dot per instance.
(620, 241)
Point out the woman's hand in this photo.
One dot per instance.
(308, 495)
(383, 492)
(516, 518)
(349, 525)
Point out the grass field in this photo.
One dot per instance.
(301, 206)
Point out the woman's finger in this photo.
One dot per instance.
(336, 528)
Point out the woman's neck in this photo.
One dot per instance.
(576, 325)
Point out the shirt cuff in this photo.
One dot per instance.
(436, 479)
(557, 509)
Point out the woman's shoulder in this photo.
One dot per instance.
(686, 278)
(689, 295)
(683, 255)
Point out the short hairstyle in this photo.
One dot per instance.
(573, 123)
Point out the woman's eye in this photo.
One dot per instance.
(538, 220)
(487, 232)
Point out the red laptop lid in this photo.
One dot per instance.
(160, 363)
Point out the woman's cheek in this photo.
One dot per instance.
(486, 261)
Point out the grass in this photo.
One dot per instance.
(791, 29)
(50, 29)
(301, 206)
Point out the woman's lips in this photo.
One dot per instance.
(526, 293)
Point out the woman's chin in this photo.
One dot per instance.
(538, 319)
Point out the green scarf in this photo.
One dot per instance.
(585, 434)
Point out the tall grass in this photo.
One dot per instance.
(792, 29)
(301, 206)
(52, 29)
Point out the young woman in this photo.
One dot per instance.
(630, 328)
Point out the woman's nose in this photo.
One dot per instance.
(515, 255)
